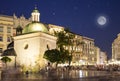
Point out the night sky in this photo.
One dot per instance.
(80, 16)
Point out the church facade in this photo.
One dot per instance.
(30, 49)
(32, 43)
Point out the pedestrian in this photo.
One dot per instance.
(27, 73)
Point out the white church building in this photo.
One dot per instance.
(31, 44)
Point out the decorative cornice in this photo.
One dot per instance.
(37, 34)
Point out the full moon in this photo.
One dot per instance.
(101, 20)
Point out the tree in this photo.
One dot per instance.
(52, 56)
(5, 60)
(65, 40)
(61, 54)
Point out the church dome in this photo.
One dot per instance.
(35, 27)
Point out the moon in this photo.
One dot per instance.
(101, 20)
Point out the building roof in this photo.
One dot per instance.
(9, 52)
(35, 27)
(1, 15)
(11, 45)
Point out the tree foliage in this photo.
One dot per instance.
(55, 56)
(65, 39)
(52, 55)
(6, 60)
(61, 54)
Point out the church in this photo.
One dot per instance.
(30, 45)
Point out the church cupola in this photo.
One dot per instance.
(35, 15)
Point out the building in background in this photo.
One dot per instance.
(77, 50)
(54, 28)
(83, 51)
(97, 52)
(103, 57)
(89, 51)
(6, 31)
(116, 50)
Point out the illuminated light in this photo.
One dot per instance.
(0, 57)
(37, 27)
(80, 73)
(86, 73)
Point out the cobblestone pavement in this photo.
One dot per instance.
(64, 76)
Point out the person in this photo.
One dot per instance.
(48, 66)
(27, 73)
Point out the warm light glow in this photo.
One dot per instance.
(52, 30)
(80, 73)
(37, 27)
(35, 16)
(32, 57)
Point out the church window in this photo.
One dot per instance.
(26, 46)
